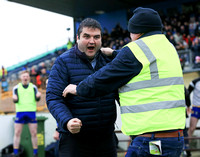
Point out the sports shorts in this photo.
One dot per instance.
(195, 112)
(25, 117)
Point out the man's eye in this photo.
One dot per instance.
(96, 37)
(86, 36)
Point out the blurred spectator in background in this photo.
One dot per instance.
(59, 52)
(118, 31)
(42, 74)
(51, 64)
(197, 62)
(3, 72)
(33, 74)
(25, 67)
(185, 130)
(197, 31)
(171, 39)
(105, 38)
(69, 44)
(25, 95)
(195, 115)
(113, 34)
(196, 52)
(4, 85)
(192, 25)
(41, 66)
(188, 39)
(43, 78)
(38, 81)
(179, 41)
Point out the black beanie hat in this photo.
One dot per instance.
(144, 20)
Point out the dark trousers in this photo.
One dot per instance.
(171, 147)
(96, 146)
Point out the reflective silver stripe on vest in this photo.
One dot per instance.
(151, 83)
(152, 106)
(150, 56)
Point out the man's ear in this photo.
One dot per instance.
(77, 38)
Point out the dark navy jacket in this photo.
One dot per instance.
(97, 114)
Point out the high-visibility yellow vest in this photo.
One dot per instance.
(154, 99)
(1, 72)
(26, 99)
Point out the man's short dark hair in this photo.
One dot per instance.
(90, 23)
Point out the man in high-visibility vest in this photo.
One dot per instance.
(148, 74)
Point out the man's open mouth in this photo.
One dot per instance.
(91, 47)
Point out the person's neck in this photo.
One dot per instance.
(150, 33)
(91, 59)
(25, 84)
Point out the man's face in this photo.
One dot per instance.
(89, 41)
(25, 78)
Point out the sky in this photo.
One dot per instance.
(26, 32)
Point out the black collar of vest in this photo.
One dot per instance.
(150, 33)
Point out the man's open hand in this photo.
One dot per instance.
(107, 51)
(71, 88)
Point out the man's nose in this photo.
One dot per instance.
(92, 40)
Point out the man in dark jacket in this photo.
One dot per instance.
(86, 125)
